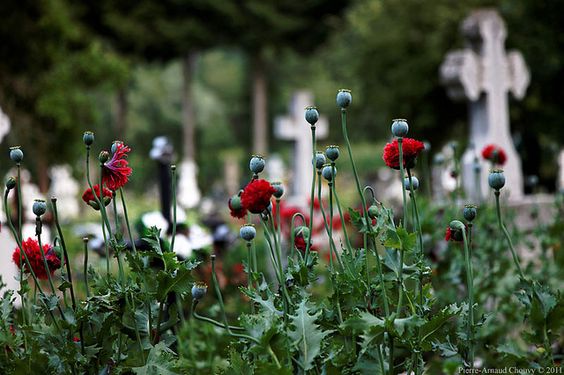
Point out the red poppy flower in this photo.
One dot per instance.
(236, 207)
(89, 198)
(299, 243)
(31, 249)
(495, 154)
(410, 147)
(76, 339)
(256, 196)
(454, 235)
(116, 172)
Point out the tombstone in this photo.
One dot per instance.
(4, 125)
(162, 152)
(276, 170)
(66, 189)
(482, 74)
(295, 128)
(231, 174)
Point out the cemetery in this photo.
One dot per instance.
(257, 187)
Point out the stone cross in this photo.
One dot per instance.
(294, 127)
(483, 73)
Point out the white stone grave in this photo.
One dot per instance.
(483, 74)
(66, 189)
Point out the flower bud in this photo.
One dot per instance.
(88, 138)
(454, 231)
(235, 202)
(10, 183)
(173, 167)
(332, 152)
(303, 231)
(400, 128)
(248, 232)
(329, 172)
(16, 154)
(469, 212)
(457, 225)
(39, 207)
(496, 179)
(104, 156)
(319, 160)
(344, 98)
(257, 163)
(113, 149)
(199, 290)
(311, 115)
(279, 189)
(438, 159)
(414, 182)
(373, 211)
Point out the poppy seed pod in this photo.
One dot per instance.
(301, 231)
(469, 212)
(414, 182)
(39, 207)
(496, 179)
(248, 232)
(329, 172)
(400, 128)
(311, 115)
(16, 154)
(257, 163)
(104, 156)
(199, 290)
(344, 98)
(373, 211)
(88, 138)
(279, 189)
(320, 160)
(10, 183)
(332, 152)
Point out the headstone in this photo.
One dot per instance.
(4, 125)
(188, 192)
(295, 128)
(162, 152)
(276, 170)
(66, 189)
(482, 74)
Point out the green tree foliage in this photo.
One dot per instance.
(49, 66)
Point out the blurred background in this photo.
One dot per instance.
(206, 73)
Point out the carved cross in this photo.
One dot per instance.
(483, 74)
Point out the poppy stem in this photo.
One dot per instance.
(85, 269)
(122, 196)
(507, 236)
(312, 197)
(470, 283)
(173, 188)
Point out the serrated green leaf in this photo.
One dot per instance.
(179, 281)
(307, 336)
(161, 361)
(392, 239)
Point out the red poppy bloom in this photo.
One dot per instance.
(31, 249)
(495, 154)
(299, 243)
(89, 198)
(454, 235)
(116, 172)
(410, 147)
(256, 196)
(236, 207)
(76, 339)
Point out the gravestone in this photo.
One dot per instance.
(483, 74)
(65, 188)
(295, 128)
(4, 125)
(231, 175)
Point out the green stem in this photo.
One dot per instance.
(312, 197)
(328, 225)
(470, 283)
(508, 237)
(343, 224)
(105, 217)
(122, 196)
(38, 231)
(65, 252)
(400, 274)
(19, 191)
(173, 171)
(85, 240)
(250, 273)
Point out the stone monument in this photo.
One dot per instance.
(483, 74)
(66, 189)
(295, 128)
